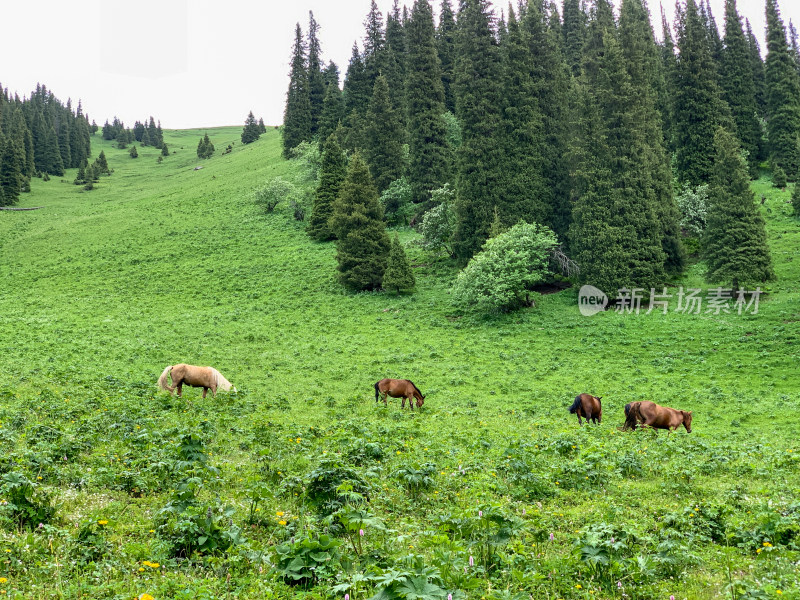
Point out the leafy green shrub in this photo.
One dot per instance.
(270, 195)
(396, 201)
(307, 561)
(770, 528)
(693, 206)
(25, 505)
(90, 544)
(500, 277)
(323, 489)
(439, 223)
(419, 583)
(416, 480)
(486, 530)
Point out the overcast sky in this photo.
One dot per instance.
(196, 63)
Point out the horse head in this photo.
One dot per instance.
(687, 420)
(420, 400)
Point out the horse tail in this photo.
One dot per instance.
(162, 381)
(575, 405)
(376, 390)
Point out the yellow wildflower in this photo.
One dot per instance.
(102, 522)
(578, 586)
(146, 597)
(3, 579)
(281, 522)
(279, 513)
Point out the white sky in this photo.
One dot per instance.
(197, 63)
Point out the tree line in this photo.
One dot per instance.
(39, 136)
(566, 116)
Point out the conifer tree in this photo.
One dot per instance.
(122, 139)
(251, 131)
(395, 63)
(759, 78)
(332, 112)
(374, 44)
(316, 82)
(101, 163)
(699, 109)
(205, 149)
(52, 156)
(643, 65)
(164, 149)
(783, 96)
(362, 245)
(383, 138)
(573, 31)
(446, 49)
(10, 171)
(669, 66)
(736, 80)
(331, 175)
(615, 235)
(398, 275)
(796, 198)
(794, 47)
(261, 127)
(522, 189)
(734, 242)
(297, 116)
(64, 144)
(478, 106)
(356, 94)
(134, 152)
(428, 167)
(551, 77)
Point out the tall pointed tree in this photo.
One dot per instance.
(699, 109)
(794, 47)
(669, 66)
(429, 153)
(383, 138)
(446, 48)
(573, 31)
(331, 175)
(734, 242)
(395, 64)
(759, 78)
(297, 116)
(357, 92)
(316, 83)
(332, 112)
(783, 96)
(736, 81)
(10, 171)
(398, 275)
(362, 245)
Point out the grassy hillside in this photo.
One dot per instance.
(164, 264)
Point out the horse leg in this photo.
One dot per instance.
(180, 388)
(580, 423)
(205, 389)
(411, 403)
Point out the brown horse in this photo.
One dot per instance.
(588, 407)
(397, 388)
(650, 414)
(207, 378)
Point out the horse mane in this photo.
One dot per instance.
(415, 387)
(162, 380)
(220, 380)
(632, 415)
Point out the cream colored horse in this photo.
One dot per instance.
(207, 378)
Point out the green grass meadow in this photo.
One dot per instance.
(299, 485)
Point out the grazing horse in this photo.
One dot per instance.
(650, 414)
(588, 407)
(397, 388)
(207, 378)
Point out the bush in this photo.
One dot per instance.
(25, 505)
(499, 278)
(439, 223)
(693, 204)
(307, 561)
(396, 201)
(271, 194)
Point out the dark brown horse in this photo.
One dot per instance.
(650, 414)
(399, 388)
(588, 407)
(207, 378)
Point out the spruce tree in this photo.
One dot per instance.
(736, 81)
(573, 31)
(643, 65)
(362, 245)
(134, 152)
(251, 131)
(759, 85)
(52, 157)
(101, 165)
(395, 63)
(446, 49)
(331, 175)
(261, 127)
(164, 149)
(794, 49)
(796, 198)
(316, 82)
(428, 149)
(356, 93)
(297, 116)
(478, 107)
(398, 275)
(10, 171)
(374, 44)
(734, 242)
(64, 144)
(383, 138)
(332, 112)
(522, 189)
(615, 236)
(669, 66)
(699, 109)
(122, 139)
(783, 96)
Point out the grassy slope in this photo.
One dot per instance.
(164, 264)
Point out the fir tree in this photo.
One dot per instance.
(734, 243)
(736, 79)
(164, 149)
(52, 156)
(478, 105)
(10, 171)
(446, 49)
(669, 66)
(395, 63)
(383, 138)
(261, 127)
(398, 275)
(251, 131)
(794, 47)
(332, 112)
(759, 85)
(64, 145)
(122, 139)
(615, 235)
(699, 109)
(331, 175)
(316, 83)
(205, 149)
(134, 152)
(783, 96)
(796, 198)
(297, 116)
(356, 93)
(643, 65)
(428, 167)
(573, 31)
(101, 165)
(80, 178)
(362, 245)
